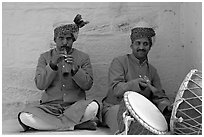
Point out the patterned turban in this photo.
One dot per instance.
(141, 30)
(70, 29)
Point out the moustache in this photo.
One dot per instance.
(143, 50)
(66, 48)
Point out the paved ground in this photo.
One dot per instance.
(12, 127)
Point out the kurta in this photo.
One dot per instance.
(63, 100)
(122, 71)
(57, 87)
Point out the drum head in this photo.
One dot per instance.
(145, 112)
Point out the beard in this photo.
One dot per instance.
(67, 49)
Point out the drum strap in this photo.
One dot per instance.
(127, 121)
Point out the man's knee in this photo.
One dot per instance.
(110, 118)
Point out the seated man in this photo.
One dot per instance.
(64, 74)
(132, 72)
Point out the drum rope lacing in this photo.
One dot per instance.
(198, 127)
(193, 128)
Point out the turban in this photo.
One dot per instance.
(141, 30)
(70, 29)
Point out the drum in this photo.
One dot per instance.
(186, 118)
(138, 116)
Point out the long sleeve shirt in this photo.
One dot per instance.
(123, 70)
(57, 87)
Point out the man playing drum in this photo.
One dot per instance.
(133, 72)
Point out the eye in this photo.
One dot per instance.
(145, 43)
(137, 43)
(61, 38)
(68, 38)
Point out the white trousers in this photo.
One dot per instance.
(32, 121)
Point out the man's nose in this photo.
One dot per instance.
(141, 46)
(64, 41)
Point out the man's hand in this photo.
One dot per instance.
(138, 83)
(58, 57)
(148, 82)
(142, 82)
(170, 107)
(70, 60)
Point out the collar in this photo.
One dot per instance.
(138, 61)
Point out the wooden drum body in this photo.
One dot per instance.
(137, 115)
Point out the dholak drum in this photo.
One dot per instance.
(138, 116)
(186, 118)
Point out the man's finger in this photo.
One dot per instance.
(143, 84)
(147, 79)
(170, 107)
(69, 60)
(141, 80)
(62, 55)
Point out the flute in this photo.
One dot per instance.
(66, 67)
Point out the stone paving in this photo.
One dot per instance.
(11, 127)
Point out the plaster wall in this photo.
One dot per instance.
(27, 31)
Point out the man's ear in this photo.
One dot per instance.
(73, 38)
(131, 45)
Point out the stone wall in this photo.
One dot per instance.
(28, 31)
